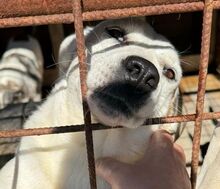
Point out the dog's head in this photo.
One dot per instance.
(133, 72)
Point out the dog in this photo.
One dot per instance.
(21, 71)
(133, 74)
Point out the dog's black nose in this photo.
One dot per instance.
(141, 73)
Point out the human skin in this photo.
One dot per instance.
(162, 167)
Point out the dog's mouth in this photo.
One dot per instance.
(118, 99)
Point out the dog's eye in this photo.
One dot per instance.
(116, 32)
(169, 73)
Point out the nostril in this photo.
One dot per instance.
(134, 69)
(141, 73)
(150, 82)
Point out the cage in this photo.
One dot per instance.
(26, 13)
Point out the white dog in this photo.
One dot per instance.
(133, 74)
(21, 71)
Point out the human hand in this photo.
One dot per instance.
(162, 167)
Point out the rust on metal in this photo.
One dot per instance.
(48, 7)
(145, 11)
(91, 5)
(101, 14)
(204, 59)
(60, 11)
(33, 8)
(80, 44)
(80, 128)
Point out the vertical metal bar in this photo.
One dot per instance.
(206, 35)
(80, 42)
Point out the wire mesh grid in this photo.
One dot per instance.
(78, 16)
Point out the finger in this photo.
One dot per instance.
(161, 142)
(161, 139)
(109, 169)
(180, 152)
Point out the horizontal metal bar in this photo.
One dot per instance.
(91, 5)
(80, 128)
(102, 14)
(12, 8)
(144, 11)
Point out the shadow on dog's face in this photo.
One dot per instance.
(133, 72)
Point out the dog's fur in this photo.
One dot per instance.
(59, 161)
(21, 73)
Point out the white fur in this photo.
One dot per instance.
(59, 161)
(21, 59)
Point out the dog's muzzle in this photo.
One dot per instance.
(131, 93)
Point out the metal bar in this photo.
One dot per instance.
(144, 11)
(205, 47)
(12, 8)
(100, 15)
(80, 128)
(120, 13)
(80, 44)
(91, 5)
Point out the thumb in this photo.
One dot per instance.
(109, 169)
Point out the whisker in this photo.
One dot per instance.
(57, 63)
(186, 50)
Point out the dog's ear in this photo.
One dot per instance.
(176, 102)
(65, 56)
(178, 110)
(175, 109)
(178, 106)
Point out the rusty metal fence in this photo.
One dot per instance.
(24, 13)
